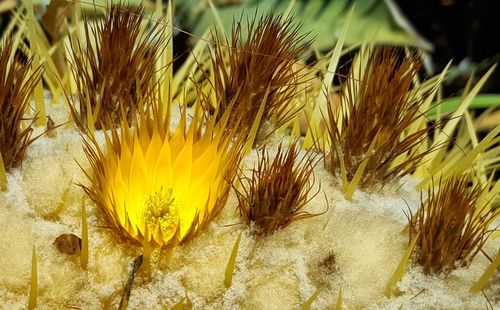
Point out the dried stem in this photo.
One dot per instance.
(373, 121)
(17, 82)
(114, 72)
(278, 189)
(450, 227)
(262, 62)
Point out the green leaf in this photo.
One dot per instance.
(482, 101)
(374, 21)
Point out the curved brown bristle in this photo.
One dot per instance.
(450, 227)
(376, 113)
(262, 62)
(17, 83)
(114, 71)
(276, 192)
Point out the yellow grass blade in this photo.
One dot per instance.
(169, 52)
(400, 270)
(431, 86)
(3, 175)
(7, 5)
(486, 276)
(63, 202)
(90, 117)
(486, 184)
(40, 45)
(467, 160)
(33, 282)
(487, 198)
(217, 18)
(179, 305)
(338, 306)
(256, 125)
(343, 173)
(470, 129)
(449, 166)
(427, 86)
(350, 187)
(38, 93)
(358, 69)
(289, 9)
(84, 253)
(474, 142)
(184, 302)
(189, 66)
(159, 7)
(456, 116)
(315, 131)
(228, 276)
(165, 60)
(18, 20)
(311, 299)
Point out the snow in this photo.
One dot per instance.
(279, 271)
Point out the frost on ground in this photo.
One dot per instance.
(353, 245)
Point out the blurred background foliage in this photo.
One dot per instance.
(373, 20)
(461, 30)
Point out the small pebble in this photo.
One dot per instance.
(68, 244)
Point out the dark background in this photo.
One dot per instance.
(458, 30)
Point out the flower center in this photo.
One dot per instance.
(161, 213)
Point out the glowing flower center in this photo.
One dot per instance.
(160, 210)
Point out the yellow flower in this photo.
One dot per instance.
(160, 185)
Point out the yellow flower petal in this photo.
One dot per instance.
(163, 186)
